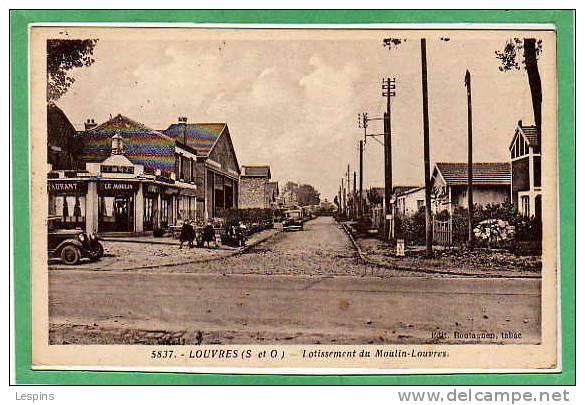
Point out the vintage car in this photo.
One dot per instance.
(293, 220)
(71, 245)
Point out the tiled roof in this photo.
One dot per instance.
(398, 190)
(199, 136)
(142, 145)
(497, 173)
(530, 134)
(256, 171)
(410, 190)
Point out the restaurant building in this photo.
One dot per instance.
(134, 180)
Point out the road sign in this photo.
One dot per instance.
(400, 247)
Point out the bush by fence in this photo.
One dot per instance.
(498, 218)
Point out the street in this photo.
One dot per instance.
(298, 287)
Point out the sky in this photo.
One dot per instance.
(291, 97)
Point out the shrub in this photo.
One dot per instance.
(500, 219)
(411, 228)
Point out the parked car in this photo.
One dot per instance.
(293, 220)
(71, 245)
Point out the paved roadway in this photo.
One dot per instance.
(301, 287)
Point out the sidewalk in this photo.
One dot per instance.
(145, 252)
(479, 263)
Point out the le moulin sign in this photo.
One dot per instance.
(116, 186)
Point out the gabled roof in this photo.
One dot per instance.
(199, 136)
(144, 146)
(256, 171)
(410, 191)
(528, 132)
(58, 125)
(455, 174)
(399, 190)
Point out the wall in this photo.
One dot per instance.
(252, 192)
(482, 195)
(409, 204)
(520, 178)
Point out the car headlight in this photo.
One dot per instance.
(82, 237)
(92, 236)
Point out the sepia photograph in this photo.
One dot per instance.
(364, 198)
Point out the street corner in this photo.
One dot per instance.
(149, 253)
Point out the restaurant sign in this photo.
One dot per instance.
(66, 187)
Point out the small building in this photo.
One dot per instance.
(409, 201)
(63, 142)
(491, 184)
(255, 191)
(216, 168)
(525, 155)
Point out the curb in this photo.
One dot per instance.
(372, 262)
(147, 242)
(192, 261)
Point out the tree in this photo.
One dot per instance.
(510, 60)
(307, 195)
(62, 56)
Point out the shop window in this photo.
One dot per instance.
(149, 213)
(164, 212)
(525, 204)
(70, 209)
(116, 214)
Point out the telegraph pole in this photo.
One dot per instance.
(339, 201)
(389, 91)
(348, 192)
(360, 206)
(469, 160)
(343, 194)
(353, 205)
(427, 160)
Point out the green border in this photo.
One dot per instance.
(19, 20)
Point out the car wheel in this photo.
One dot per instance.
(98, 251)
(70, 255)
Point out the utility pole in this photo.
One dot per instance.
(388, 91)
(469, 161)
(354, 202)
(348, 192)
(360, 206)
(343, 194)
(339, 201)
(427, 160)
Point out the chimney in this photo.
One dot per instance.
(117, 144)
(183, 124)
(89, 124)
(519, 123)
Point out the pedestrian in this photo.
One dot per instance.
(187, 234)
(209, 234)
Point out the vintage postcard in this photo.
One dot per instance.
(309, 200)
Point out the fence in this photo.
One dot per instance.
(443, 232)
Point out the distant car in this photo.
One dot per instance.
(293, 220)
(71, 245)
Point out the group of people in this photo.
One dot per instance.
(188, 234)
(207, 235)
